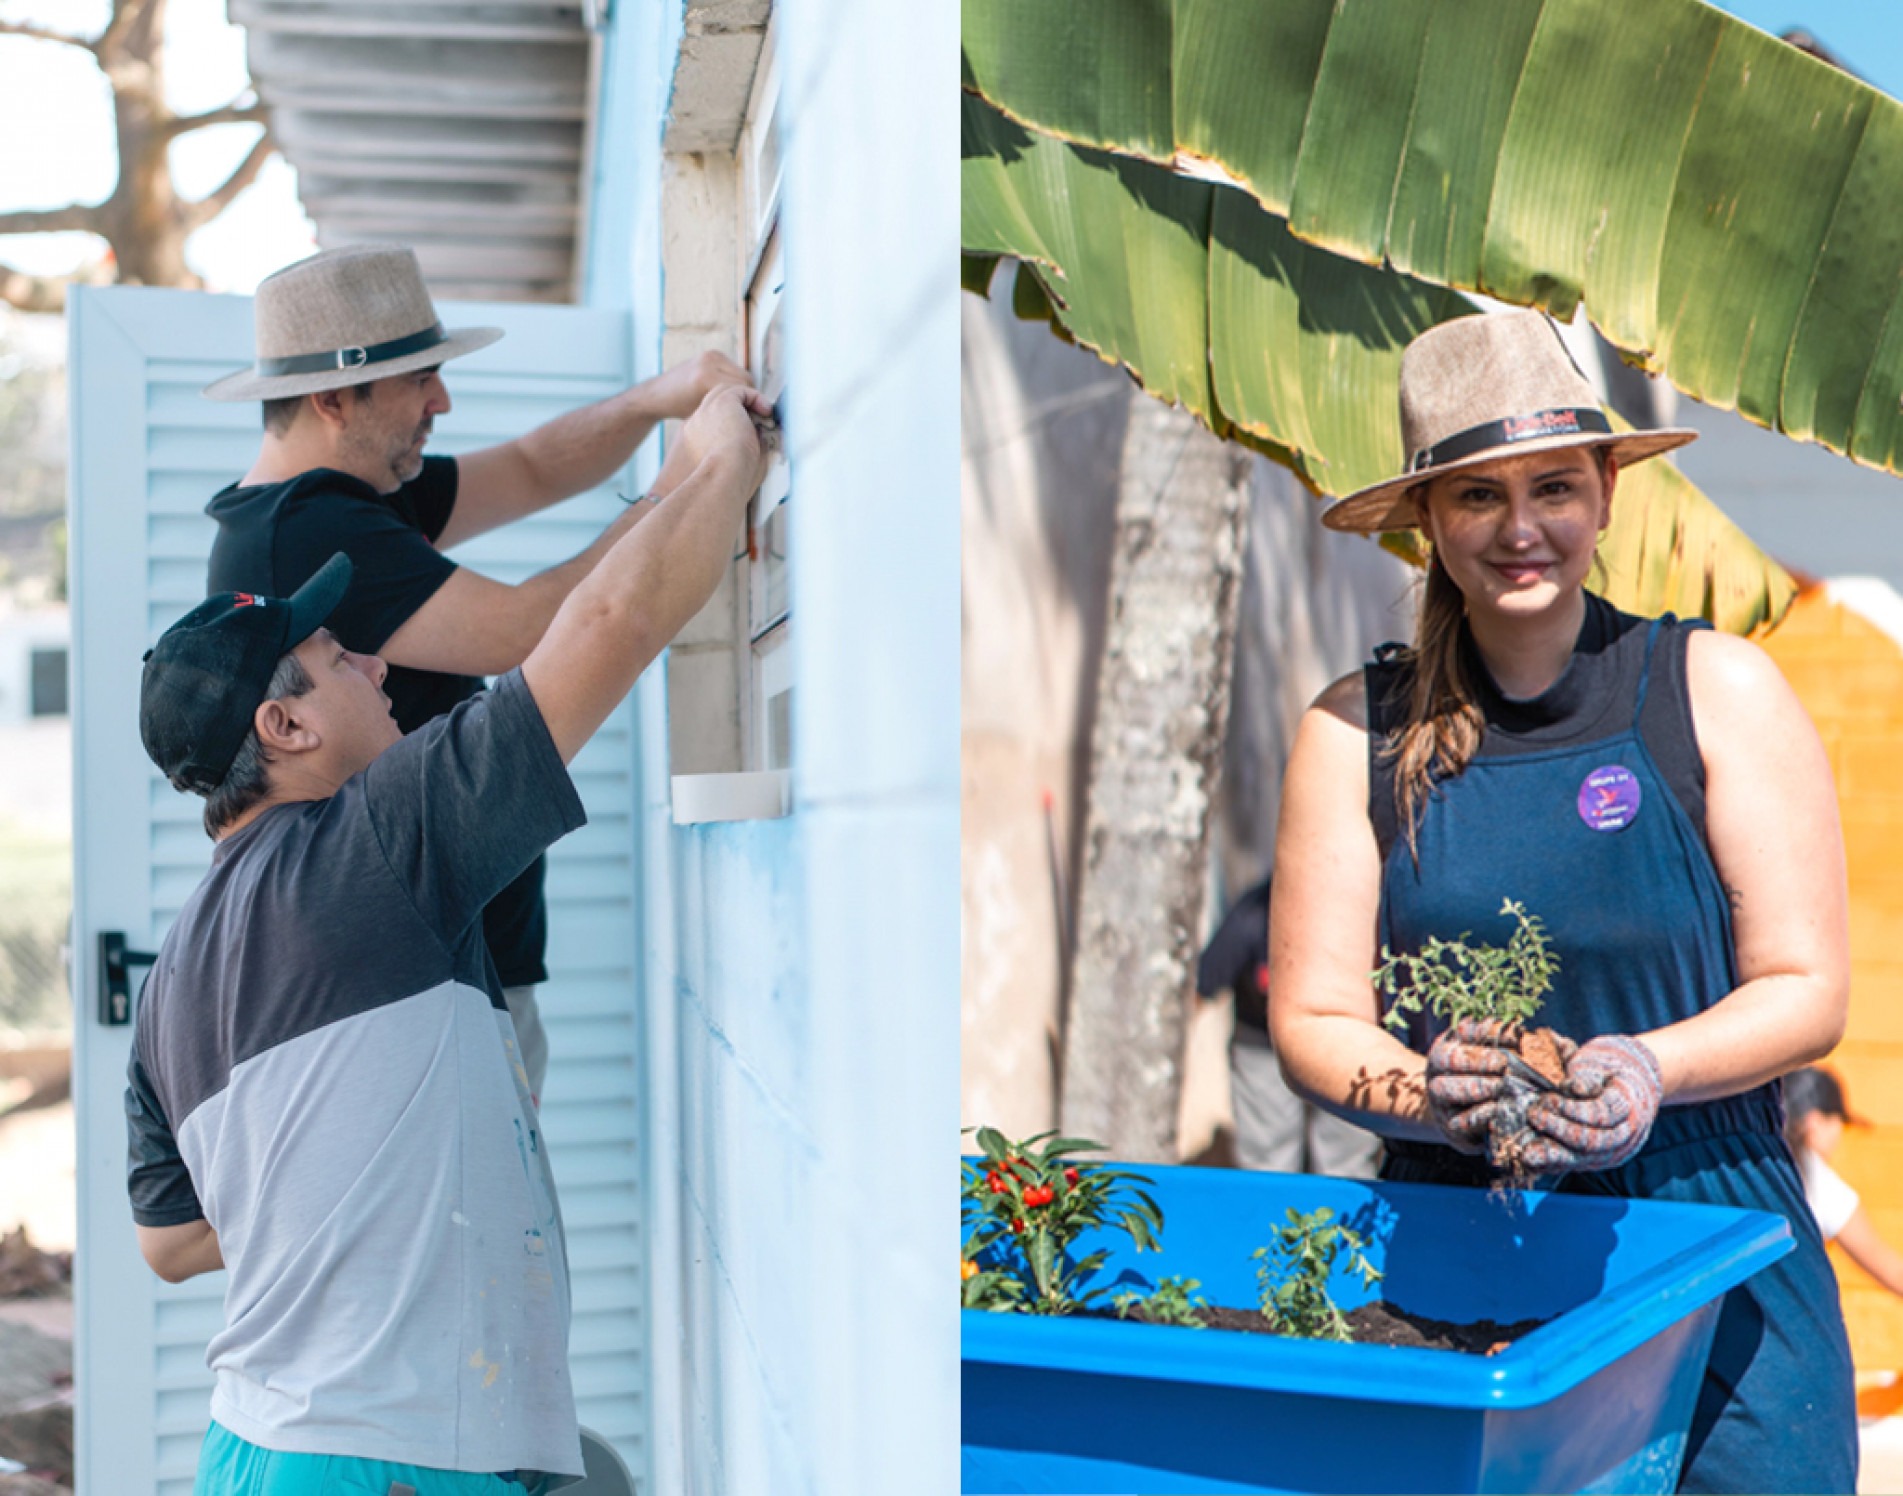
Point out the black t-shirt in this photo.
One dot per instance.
(272, 537)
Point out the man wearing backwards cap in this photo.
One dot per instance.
(349, 350)
(321, 1097)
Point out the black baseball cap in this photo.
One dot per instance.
(206, 677)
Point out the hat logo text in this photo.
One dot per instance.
(1545, 423)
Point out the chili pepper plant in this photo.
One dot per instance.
(1024, 1204)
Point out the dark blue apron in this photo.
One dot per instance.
(1590, 838)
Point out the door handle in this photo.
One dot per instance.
(115, 976)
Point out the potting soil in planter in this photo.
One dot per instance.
(1381, 1323)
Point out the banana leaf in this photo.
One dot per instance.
(1213, 303)
(1723, 203)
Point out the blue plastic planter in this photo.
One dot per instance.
(1599, 1399)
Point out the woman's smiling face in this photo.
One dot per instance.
(1518, 534)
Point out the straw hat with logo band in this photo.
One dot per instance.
(343, 317)
(1481, 388)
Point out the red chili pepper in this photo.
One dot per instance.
(1017, 1225)
(996, 1181)
(1039, 1194)
(1070, 1176)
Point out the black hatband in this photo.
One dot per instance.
(353, 358)
(1566, 421)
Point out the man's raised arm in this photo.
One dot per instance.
(576, 451)
(474, 625)
(654, 579)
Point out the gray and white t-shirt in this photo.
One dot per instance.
(324, 1069)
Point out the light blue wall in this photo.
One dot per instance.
(800, 977)
(621, 265)
(872, 247)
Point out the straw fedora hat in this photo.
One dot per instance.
(1484, 387)
(343, 317)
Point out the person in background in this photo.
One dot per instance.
(1815, 1115)
(1275, 1128)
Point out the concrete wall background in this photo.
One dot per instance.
(799, 976)
(1043, 431)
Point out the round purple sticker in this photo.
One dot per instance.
(1609, 799)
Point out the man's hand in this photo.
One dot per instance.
(724, 422)
(677, 393)
(1603, 1114)
(577, 451)
(653, 580)
(1466, 1079)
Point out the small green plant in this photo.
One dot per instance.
(1294, 1272)
(1457, 980)
(1023, 1204)
(1174, 1301)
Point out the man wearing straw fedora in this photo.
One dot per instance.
(349, 351)
(321, 1098)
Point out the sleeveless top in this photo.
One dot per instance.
(1585, 804)
(1592, 698)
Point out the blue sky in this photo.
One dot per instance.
(1866, 35)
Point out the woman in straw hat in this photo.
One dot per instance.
(1650, 790)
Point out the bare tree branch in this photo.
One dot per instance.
(211, 205)
(47, 34)
(233, 113)
(47, 293)
(52, 220)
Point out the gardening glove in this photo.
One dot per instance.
(1466, 1080)
(1603, 1114)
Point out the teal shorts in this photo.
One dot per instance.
(230, 1466)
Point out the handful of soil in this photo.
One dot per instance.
(1536, 1064)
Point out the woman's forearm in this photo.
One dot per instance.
(1765, 1028)
(1355, 1069)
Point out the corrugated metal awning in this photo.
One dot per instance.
(458, 128)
